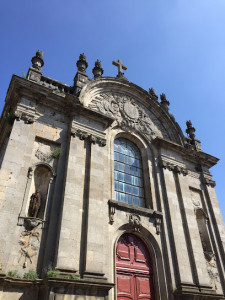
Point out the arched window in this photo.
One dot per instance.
(128, 173)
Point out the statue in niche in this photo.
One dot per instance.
(35, 203)
(204, 245)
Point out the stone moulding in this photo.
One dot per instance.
(198, 157)
(191, 291)
(31, 222)
(135, 213)
(165, 164)
(207, 179)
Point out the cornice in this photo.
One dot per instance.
(194, 156)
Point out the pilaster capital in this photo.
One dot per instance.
(207, 179)
(173, 165)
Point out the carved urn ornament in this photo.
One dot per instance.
(164, 102)
(97, 70)
(82, 63)
(190, 130)
(37, 60)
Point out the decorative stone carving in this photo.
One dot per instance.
(212, 270)
(209, 182)
(112, 211)
(83, 135)
(79, 133)
(153, 95)
(135, 221)
(120, 67)
(37, 60)
(29, 243)
(43, 156)
(158, 221)
(97, 70)
(164, 102)
(173, 167)
(28, 119)
(128, 114)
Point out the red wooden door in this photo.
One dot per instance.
(133, 269)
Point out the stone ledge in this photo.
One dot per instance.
(134, 209)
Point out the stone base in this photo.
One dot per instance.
(190, 292)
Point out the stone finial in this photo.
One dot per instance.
(82, 63)
(37, 60)
(152, 94)
(164, 102)
(97, 70)
(190, 130)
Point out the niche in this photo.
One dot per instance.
(202, 220)
(39, 191)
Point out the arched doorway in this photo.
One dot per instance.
(133, 269)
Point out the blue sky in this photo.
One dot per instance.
(176, 47)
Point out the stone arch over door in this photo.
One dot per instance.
(134, 272)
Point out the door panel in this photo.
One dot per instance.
(125, 286)
(133, 269)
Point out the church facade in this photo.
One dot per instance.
(102, 196)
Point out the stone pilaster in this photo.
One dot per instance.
(183, 266)
(94, 264)
(195, 245)
(69, 241)
(13, 178)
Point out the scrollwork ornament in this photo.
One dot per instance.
(128, 115)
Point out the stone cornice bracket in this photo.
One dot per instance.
(207, 179)
(83, 135)
(172, 167)
(79, 133)
(27, 118)
(158, 221)
(112, 211)
(97, 140)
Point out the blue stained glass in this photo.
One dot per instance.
(129, 189)
(127, 178)
(121, 176)
(135, 191)
(121, 187)
(121, 167)
(116, 185)
(121, 157)
(127, 169)
(128, 173)
(122, 197)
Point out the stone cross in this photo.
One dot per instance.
(120, 67)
